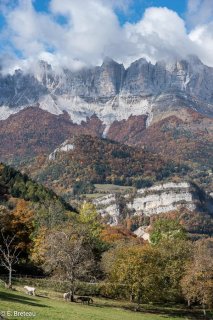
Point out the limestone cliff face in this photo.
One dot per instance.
(110, 91)
(108, 208)
(164, 198)
(165, 108)
(158, 199)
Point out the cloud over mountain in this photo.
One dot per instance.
(74, 33)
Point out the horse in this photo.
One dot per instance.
(30, 290)
(84, 299)
(66, 296)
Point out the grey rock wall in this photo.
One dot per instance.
(158, 199)
(110, 89)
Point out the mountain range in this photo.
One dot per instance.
(110, 91)
(143, 118)
(132, 105)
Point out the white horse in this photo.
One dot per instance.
(66, 296)
(30, 290)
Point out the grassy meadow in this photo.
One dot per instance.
(50, 305)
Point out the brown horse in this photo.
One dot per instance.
(84, 299)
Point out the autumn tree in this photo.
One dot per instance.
(39, 246)
(86, 223)
(68, 256)
(89, 216)
(164, 228)
(147, 272)
(18, 219)
(173, 255)
(133, 272)
(9, 253)
(197, 283)
(114, 234)
(89, 219)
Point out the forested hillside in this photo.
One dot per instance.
(26, 207)
(90, 160)
(17, 185)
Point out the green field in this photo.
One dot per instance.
(103, 189)
(45, 308)
(112, 188)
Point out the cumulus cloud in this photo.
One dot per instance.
(202, 36)
(200, 19)
(161, 34)
(91, 30)
(32, 33)
(199, 12)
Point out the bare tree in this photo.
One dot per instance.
(9, 253)
(68, 257)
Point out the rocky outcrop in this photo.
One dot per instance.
(164, 198)
(158, 199)
(143, 233)
(108, 207)
(66, 146)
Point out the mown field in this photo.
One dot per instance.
(103, 189)
(53, 307)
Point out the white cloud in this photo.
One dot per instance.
(199, 12)
(200, 18)
(92, 31)
(31, 32)
(161, 34)
(202, 36)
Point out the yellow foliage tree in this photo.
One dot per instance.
(19, 221)
(135, 271)
(89, 216)
(39, 246)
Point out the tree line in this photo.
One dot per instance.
(169, 268)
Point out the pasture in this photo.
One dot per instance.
(103, 189)
(112, 188)
(53, 307)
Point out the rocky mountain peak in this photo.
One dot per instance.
(108, 62)
(110, 91)
(193, 59)
(139, 62)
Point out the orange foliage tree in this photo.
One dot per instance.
(19, 221)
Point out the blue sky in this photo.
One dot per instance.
(137, 8)
(75, 33)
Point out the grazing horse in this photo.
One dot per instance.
(30, 290)
(66, 296)
(88, 300)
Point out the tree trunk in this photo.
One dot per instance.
(10, 278)
(204, 310)
(72, 295)
(131, 297)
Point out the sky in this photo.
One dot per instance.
(77, 33)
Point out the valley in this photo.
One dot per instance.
(106, 177)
